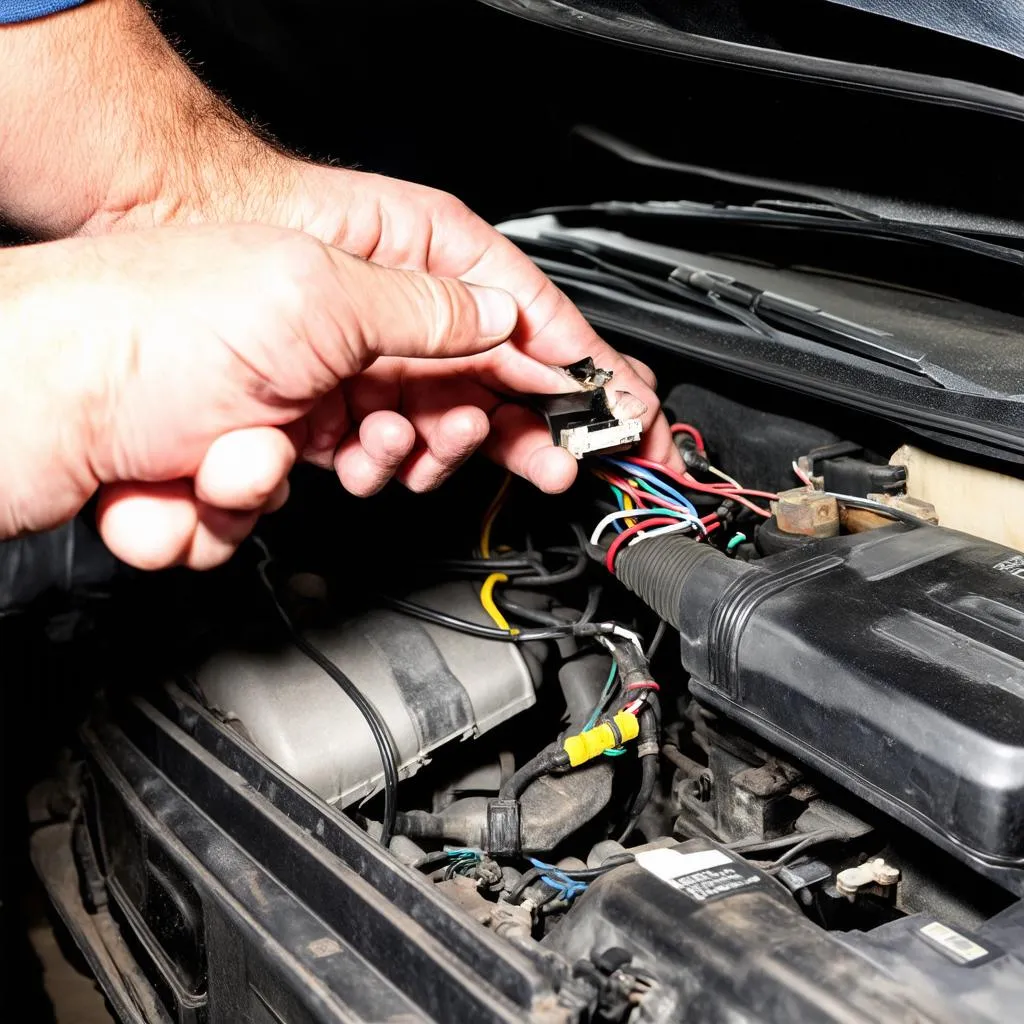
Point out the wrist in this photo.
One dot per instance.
(211, 168)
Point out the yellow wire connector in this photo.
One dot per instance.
(607, 734)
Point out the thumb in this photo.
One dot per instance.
(406, 313)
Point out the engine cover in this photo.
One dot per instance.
(891, 660)
(431, 685)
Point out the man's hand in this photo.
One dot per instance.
(116, 133)
(182, 371)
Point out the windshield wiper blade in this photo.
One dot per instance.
(806, 217)
(760, 310)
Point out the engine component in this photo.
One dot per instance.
(425, 680)
(856, 520)
(872, 873)
(979, 501)
(808, 513)
(846, 468)
(726, 942)
(891, 661)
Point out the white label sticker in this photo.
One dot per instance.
(958, 946)
(702, 875)
(668, 864)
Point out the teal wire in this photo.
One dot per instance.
(738, 539)
(604, 696)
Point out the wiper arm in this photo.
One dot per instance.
(760, 310)
(798, 318)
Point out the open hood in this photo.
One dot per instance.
(909, 108)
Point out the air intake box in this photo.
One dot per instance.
(891, 661)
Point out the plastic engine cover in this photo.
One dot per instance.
(894, 661)
(891, 661)
(431, 685)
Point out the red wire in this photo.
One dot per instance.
(685, 428)
(697, 485)
(629, 533)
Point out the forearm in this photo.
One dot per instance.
(103, 125)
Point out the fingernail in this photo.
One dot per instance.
(496, 312)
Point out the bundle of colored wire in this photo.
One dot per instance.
(686, 519)
(725, 490)
(627, 535)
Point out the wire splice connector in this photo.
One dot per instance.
(612, 732)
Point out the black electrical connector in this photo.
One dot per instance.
(847, 469)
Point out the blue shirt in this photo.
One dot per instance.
(25, 10)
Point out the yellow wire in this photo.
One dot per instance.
(491, 514)
(487, 600)
(627, 502)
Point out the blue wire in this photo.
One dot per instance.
(646, 474)
(568, 888)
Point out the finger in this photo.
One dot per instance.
(217, 535)
(243, 468)
(521, 443)
(326, 423)
(643, 371)
(378, 312)
(658, 446)
(279, 498)
(550, 328)
(449, 441)
(149, 526)
(366, 461)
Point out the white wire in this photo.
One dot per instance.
(636, 513)
(657, 532)
(804, 477)
(715, 471)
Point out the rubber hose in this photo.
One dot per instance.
(657, 571)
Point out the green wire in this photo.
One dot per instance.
(592, 721)
(652, 490)
(736, 541)
(600, 701)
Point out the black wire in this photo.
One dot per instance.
(485, 566)
(541, 764)
(378, 727)
(811, 840)
(877, 506)
(801, 839)
(520, 611)
(582, 875)
(419, 611)
(659, 635)
(593, 600)
(574, 572)
(550, 618)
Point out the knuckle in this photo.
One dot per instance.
(445, 313)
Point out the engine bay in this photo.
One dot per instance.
(739, 740)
